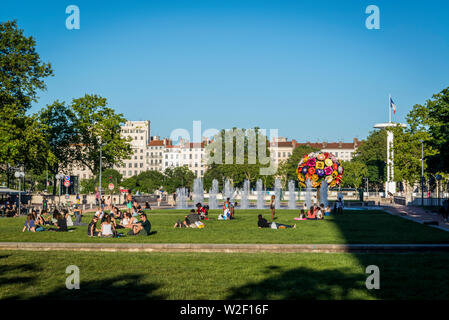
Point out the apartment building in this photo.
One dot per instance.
(281, 149)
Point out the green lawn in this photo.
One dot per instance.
(120, 275)
(352, 227)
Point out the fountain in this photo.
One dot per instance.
(260, 195)
(228, 191)
(213, 195)
(309, 193)
(198, 191)
(291, 195)
(181, 198)
(323, 193)
(277, 193)
(245, 193)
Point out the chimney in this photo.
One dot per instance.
(293, 143)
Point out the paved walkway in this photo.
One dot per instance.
(418, 214)
(226, 248)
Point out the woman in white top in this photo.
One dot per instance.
(107, 229)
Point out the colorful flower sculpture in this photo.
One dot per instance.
(318, 167)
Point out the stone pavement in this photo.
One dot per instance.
(418, 214)
(225, 248)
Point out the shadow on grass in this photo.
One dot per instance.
(301, 283)
(126, 287)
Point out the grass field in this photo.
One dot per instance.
(351, 227)
(32, 275)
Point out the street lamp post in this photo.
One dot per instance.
(422, 173)
(59, 177)
(19, 175)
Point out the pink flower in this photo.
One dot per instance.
(328, 171)
(311, 162)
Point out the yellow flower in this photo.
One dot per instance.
(328, 162)
(320, 165)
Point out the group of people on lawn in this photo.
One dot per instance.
(117, 219)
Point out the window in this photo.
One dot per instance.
(130, 165)
(283, 154)
(130, 173)
(141, 165)
(135, 164)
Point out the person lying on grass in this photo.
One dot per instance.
(141, 228)
(302, 215)
(192, 220)
(263, 223)
(92, 230)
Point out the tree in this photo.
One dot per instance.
(178, 177)
(146, 182)
(373, 153)
(107, 176)
(354, 173)
(96, 124)
(433, 118)
(21, 76)
(59, 132)
(234, 163)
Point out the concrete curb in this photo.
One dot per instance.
(225, 248)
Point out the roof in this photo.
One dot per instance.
(155, 143)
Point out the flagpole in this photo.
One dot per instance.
(389, 108)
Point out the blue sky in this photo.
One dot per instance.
(308, 68)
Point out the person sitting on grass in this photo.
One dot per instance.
(29, 224)
(302, 215)
(320, 212)
(92, 230)
(142, 228)
(311, 214)
(99, 213)
(327, 210)
(107, 227)
(263, 223)
(61, 223)
(202, 211)
(232, 210)
(128, 220)
(68, 218)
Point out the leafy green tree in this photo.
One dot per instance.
(97, 125)
(234, 164)
(59, 131)
(178, 177)
(145, 182)
(21, 77)
(107, 176)
(354, 173)
(373, 153)
(433, 118)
